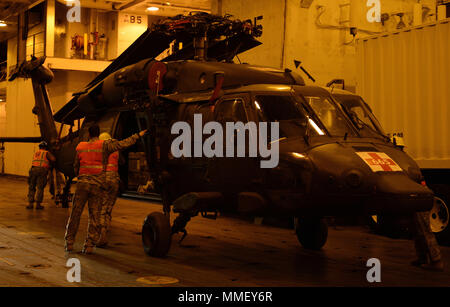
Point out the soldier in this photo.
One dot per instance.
(89, 167)
(112, 181)
(38, 175)
(427, 248)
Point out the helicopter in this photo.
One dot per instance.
(362, 115)
(328, 163)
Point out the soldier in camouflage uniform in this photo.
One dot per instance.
(37, 179)
(427, 248)
(112, 181)
(89, 167)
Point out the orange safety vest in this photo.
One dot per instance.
(90, 155)
(40, 159)
(113, 162)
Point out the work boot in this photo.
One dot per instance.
(65, 204)
(101, 243)
(437, 266)
(58, 200)
(418, 262)
(68, 247)
(39, 207)
(30, 206)
(88, 250)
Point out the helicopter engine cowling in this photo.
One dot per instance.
(141, 80)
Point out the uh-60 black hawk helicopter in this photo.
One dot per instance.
(327, 165)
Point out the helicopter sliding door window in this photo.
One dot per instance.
(234, 172)
(231, 110)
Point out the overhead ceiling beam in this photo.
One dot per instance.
(13, 9)
(20, 1)
(129, 5)
(102, 5)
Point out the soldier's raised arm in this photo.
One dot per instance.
(113, 145)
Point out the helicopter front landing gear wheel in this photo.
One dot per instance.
(312, 233)
(439, 220)
(156, 234)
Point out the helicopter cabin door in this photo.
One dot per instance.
(234, 172)
(133, 165)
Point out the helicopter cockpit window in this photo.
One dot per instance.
(277, 107)
(331, 117)
(364, 119)
(285, 110)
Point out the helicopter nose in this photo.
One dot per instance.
(353, 178)
(343, 176)
(397, 193)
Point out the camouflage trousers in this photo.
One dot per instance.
(36, 183)
(109, 200)
(56, 182)
(424, 239)
(93, 195)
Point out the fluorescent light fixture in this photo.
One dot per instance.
(153, 8)
(2, 23)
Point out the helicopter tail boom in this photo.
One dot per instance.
(40, 76)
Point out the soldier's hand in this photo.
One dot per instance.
(143, 132)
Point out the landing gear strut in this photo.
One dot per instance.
(179, 225)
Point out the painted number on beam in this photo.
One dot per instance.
(132, 19)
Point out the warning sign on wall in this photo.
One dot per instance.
(379, 162)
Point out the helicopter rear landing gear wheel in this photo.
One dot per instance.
(156, 234)
(312, 233)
